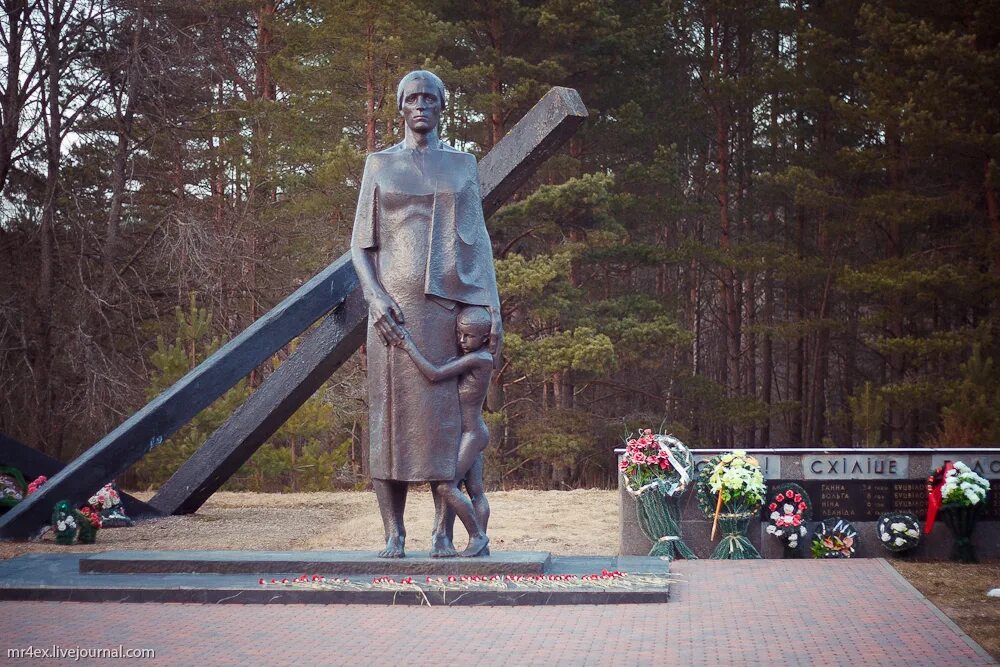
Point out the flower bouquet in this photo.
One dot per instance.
(898, 532)
(730, 492)
(64, 523)
(36, 483)
(656, 470)
(962, 495)
(788, 510)
(834, 538)
(89, 520)
(108, 502)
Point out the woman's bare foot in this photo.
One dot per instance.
(479, 545)
(393, 548)
(442, 547)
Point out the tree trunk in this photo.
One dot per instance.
(993, 208)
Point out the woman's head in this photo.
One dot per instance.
(430, 77)
(420, 96)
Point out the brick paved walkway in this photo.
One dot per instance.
(772, 612)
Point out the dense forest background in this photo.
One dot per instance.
(780, 225)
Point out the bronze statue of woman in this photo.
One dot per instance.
(422, 253)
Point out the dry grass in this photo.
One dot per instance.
(582, 522)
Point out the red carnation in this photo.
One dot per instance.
(796, 520)
(772, 507)
(798, 497)
(802, 506)
(780, 497)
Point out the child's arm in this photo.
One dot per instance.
(449, 369)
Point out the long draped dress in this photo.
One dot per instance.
(421, 214)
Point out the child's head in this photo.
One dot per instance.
(473, 328)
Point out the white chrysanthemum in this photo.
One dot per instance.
(61, 526)
(886, 537)
(770, 530)
(732, 478)
(900, 541)
(912, 532)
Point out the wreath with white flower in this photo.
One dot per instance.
(788, 509)
(656, 470)
(834, 538)
(108, 502)
(730, 491)
(898, 532)
(735, 476)
(963, 486)
(655, 460)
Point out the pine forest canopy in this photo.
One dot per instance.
(780, 225)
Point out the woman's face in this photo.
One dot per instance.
(421, 106)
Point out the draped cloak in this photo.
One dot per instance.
(420, 213)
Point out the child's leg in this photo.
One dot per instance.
(472, 444)
(462, 506)
(477, 492)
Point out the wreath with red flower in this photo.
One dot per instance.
(787, 510)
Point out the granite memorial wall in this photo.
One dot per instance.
(854, 484)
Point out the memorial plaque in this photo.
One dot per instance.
(855, 466)
(866, 500)
(770, 464)
(986, 465)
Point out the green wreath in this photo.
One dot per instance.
(13, 488)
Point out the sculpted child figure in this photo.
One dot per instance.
(473, 368)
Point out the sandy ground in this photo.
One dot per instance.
(582, 522)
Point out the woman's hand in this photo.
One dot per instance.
(387, 318)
